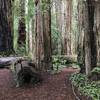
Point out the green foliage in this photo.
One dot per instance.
(56, 36)
(29, 15)
(78, 79)
(31, 10)
(21, 51)
(87, 88)
(60, 62)
(96, 70)
(57, 63)
(7, 53)
(91, 89)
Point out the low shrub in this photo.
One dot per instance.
(96, 70)
(91, 89)
(63, 61)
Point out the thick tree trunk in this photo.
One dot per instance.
(31, 38)
(39, 35)
(91, 9)
(67, 50)
(47, 35)
(90, 38)
(80, 39)
(97, 27)
(69, 19)
(6, 35)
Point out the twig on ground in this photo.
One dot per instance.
(75, 93)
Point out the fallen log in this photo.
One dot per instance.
(4, 64)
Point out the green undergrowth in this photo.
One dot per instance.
(96, 70)
(85, 86)
(7, 53)
(60, 62)
(19, 51)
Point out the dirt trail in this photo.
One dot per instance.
(53, 87)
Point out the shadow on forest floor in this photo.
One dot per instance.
(54, 87)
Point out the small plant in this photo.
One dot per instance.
(60, 62)
(78, 79)
(21, 51)
(56, 64)
(7, 53)
(96, 70)
(91, 89)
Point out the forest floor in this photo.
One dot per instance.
(53, 87)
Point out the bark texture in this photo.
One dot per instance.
(6, 35)
(80, 42)
(90, 37)
(47, 34)
(39, 35)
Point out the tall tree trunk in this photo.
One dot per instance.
(47, 34)
(67, 31)
(90, 38)
(80, 43)
(58, 8)
(22, 26)
(87, 42)
(97, 27)
(91, 9)
(39, 35)
(69, 19)
(6, 36)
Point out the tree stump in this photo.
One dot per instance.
(23, 73)
(27, 74)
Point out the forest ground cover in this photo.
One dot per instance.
(53, 87)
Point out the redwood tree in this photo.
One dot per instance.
(22, 26)
(97, 26)
(80, 35)
(43, 34)
(90, 37)
(39, 35)
(67, 50)
(6, 37)
(47, 34)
